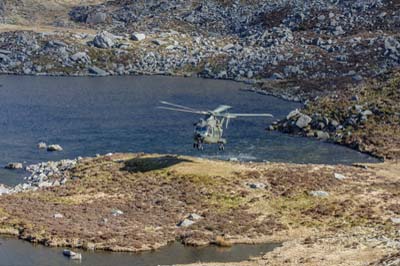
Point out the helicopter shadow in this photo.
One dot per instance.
(147, 164)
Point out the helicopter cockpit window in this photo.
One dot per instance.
(201, 129)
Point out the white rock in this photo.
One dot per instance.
(292, 114)
(228, 47)
(303, 121)
(186, 223)
(159, 42)
(395, 220)
(319, 193)
(4, 190)
(14, 166)
(72, 255)
(340, 176)
(42, 145)
(45, 184)
(54, 147)
(138, 36)
(116, 212)
(194, 217)
(257, 185)
(58, 216)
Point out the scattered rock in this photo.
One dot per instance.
(4, 190)
(97, 71)
(42, 145)
(319, 193)
(80, 57)
(322, 135)
(392, 45)
(96, 18)
(228, 47)
(395, 220)
(54, 147)
(303, 121)
(138, 36)
(292, 114)
(158, 42)
(194, 217)
(58, 216)
(116, 212)
(257, 185)
(186, 223)
(339, 176)
(104, 40)
(13, 166)
(72, 255)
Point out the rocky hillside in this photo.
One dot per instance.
(311, 42)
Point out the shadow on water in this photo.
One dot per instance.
(146, 164)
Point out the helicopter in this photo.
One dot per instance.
(209, 130)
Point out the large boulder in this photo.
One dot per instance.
(80, 57)
(96, 18)
(303, 121)
(293, 114)
(104, 40)
(97, 71)
(392, 45)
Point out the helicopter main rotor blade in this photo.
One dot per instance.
(221, 108)
(177, 105)
(183, 110)
(247, 115)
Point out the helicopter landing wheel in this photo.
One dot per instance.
(221, 147)
(200, 146)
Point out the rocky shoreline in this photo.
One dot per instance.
(135, 202)
(365, 118)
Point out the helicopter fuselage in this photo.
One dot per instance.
(208, 131)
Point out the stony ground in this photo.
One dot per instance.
(326, 215)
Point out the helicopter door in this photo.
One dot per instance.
(210, 131)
